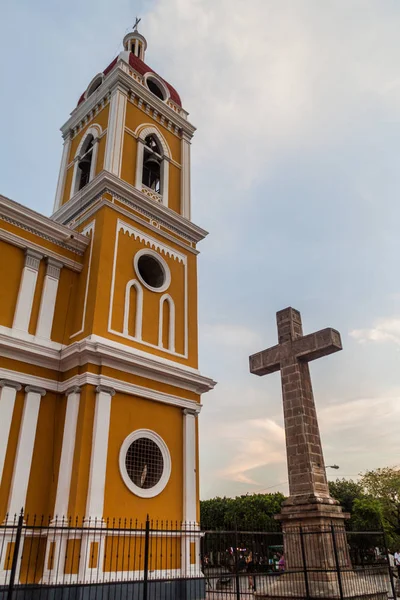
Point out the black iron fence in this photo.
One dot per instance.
(121, 559)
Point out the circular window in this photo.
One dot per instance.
(152, 270)
(145, 463)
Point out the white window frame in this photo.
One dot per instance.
(96, 131)
(171, 324)
(154, 437)
(159, 82)
(164, 267)
(141, 134)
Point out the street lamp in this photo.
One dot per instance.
(332, 467)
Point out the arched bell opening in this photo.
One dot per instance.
(152, 161)
(85, 163)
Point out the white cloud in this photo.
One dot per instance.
(256, 443)
(385, 330)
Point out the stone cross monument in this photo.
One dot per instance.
(309, 508)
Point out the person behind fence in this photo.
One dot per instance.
(397, 562)
(281, 562)
(250, 567)
(392, 563)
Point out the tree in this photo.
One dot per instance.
(384, 485)
(255, 511)
(346, 491)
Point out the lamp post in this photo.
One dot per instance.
(332, 467)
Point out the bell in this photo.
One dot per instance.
(85, 162)
(151, 161)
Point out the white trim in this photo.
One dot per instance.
(96, 131)
(115, 132)
(189, 467)
(90, 228)
(171, 322)
(26, 293)
(89, 200)
(48, 299)
(139, 164)
(24, 454)
(62, 174)
(67, 454)
(98, 460)
(185, 178)
(163, 264)
(8, 392)
(118, 385)
(98, 350)
(159, 487)
(168, 251)
(139, 309)
(95, 79)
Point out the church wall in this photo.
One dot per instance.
(174, 197)
(100, 154)
(129, 413)
(11, 265)
(82, 453)
(67, 305)
(5, 482)
(46, 455)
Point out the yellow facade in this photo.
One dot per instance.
(99, 382)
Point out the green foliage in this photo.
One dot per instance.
(345, 491)
(255, 511)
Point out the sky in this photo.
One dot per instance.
(295, 174)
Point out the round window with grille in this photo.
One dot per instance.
(145, 463)
(152, 270)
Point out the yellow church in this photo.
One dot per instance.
(99, 383)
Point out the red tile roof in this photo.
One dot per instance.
(140, 67)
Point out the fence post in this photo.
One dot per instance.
(146, 559)
(14, 564)
(303, 555)
(339, 575)
(388, 563)
(237, 578)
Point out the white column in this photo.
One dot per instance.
(26, 292)
(67, 454)
(98, 461)
(62, 174)
(23, 459)
(139, 164)
(185, 176)
(165, 180)
(8, 392)
(191, 537)
(189, 467)
(115, 132)
(48, 300)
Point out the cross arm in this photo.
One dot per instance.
(315, 345)
(266, 361)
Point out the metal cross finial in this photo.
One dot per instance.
(136, 23)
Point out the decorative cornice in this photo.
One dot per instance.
(104, 352)
(106, 183)
(42, 226)
(53, 268)
(151, 242)
(119, 76)
(74, 389)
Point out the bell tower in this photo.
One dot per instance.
(124, 183)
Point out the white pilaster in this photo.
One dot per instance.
(63, 173)
(8, 392)
(98, 461)
(48, 300)
(139, 164)
(165, 181)
(115, 132)
(27, 288)
(185, 176)
(191, 537)
(67, 454)
(23, 459)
